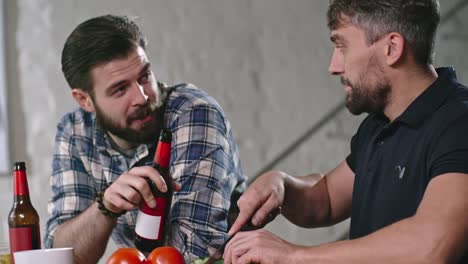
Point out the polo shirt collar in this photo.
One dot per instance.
(430, 100)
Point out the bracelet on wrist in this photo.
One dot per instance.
(103, 209)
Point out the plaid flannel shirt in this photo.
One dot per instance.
(204, 160)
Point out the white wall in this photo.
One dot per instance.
(265, 61)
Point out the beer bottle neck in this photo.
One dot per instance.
(21, 199)
(20, 184)
(163, 154)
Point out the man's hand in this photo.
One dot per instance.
(262, 201)
(127, 192)
(258, 247)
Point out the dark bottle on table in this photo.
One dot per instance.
(152, 223)
(23, 220)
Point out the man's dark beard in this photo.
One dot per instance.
(366, 96)
(147, 134)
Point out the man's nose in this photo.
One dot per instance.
(336, 64)
(140, 96)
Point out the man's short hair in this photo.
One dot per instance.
(415, 20)
(97, 41)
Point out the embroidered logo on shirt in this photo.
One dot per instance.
(400, 171)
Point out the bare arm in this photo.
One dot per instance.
(88, 234)
(437, 233)
(329, 198)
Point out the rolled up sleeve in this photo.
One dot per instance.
(72, 187)
(204, 163)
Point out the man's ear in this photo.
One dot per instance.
(83, 99)
(394, 48)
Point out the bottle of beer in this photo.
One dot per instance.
(23, 220)
(152, 223)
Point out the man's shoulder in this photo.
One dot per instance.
(461, 95)
(187, 95)
(455, 92)
(77, 123)
(456, 105)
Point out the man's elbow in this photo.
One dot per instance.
(57, 240)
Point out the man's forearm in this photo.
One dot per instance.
(317, 200)
(306, 203)
(88, 234)
(406, 241)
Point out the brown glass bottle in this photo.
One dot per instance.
(152, 223)
(23, 220)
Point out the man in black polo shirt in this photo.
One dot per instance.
(405, 183)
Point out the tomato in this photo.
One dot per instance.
(127, 256)
(166, 255)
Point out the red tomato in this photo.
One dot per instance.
(127, 256)
(166, 255)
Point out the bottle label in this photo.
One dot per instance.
(24, 238)
(150, 221)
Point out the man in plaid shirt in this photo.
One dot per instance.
(108, 144)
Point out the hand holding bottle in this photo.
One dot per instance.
(131, 188)
(142, 183)
(152, 222)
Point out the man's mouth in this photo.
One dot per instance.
(142, 120)
(346, 84)
(146, 119)
(141, 117)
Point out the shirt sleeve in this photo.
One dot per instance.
(72, 190)
(204, 163)
(450, 154)
(351, 158)
(357, 142)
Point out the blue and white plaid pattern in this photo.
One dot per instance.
(204, 159)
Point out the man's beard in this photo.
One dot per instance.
(147, 133)
(367, 95)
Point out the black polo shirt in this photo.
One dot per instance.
(394, 162)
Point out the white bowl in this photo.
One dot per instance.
(44, 256)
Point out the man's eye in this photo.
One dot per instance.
(144, 78)
(120, 90)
